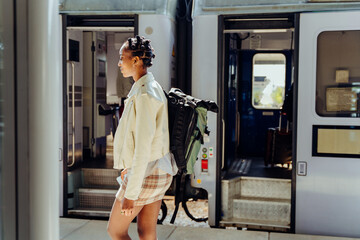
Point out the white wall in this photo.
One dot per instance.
(161, 31)
(114, 42)
(111, 66)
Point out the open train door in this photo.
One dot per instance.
(328, 126)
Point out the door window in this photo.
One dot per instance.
(338, 74)
(268, 80)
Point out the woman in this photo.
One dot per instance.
(141, 146)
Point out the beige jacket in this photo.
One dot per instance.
(142, 135)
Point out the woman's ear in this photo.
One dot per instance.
(136, 59)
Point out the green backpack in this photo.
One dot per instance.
(197, 139)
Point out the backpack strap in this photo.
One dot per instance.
(179, 193)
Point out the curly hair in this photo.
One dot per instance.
(140, 47)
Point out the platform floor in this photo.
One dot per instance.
(82, 229)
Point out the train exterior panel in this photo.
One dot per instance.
(318, 192)
(161, 30)
(205, 67)
(327, 196)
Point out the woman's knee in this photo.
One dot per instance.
(111, 230)
(116, 232)
(118, 235)
(146, 233)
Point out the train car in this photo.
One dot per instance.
(94, 90)
(283, 151)
(276, 166)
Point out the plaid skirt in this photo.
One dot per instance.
(153, 189)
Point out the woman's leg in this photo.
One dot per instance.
(147, 220)
(118, 224)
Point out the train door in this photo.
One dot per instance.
(328, 139)
(257, 75)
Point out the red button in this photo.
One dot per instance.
(204, 164)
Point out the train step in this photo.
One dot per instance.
(100, 178)
(260, 201)
(90, 198)
(262, 209)
(255, 224)
(86, 212)
(265, 187)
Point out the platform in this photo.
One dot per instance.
(82, 229)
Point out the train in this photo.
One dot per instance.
(267, 167)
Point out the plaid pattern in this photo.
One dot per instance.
(152, 189)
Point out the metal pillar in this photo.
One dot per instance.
(44, 117)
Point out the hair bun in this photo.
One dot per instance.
(141, 48)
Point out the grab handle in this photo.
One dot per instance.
(73, 111)
(223, 145)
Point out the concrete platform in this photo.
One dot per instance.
(80, 229)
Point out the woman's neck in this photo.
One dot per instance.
(139, 74)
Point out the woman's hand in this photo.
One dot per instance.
(127, 207)
(123, 172)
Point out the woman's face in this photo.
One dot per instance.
(126, 62)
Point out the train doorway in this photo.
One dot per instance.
(94, 91)
(258, 69)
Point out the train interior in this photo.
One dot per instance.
(258, 75)
(94, 107)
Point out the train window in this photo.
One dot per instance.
(165, 7)
(268, 80)
(338, 74)
(336, 141)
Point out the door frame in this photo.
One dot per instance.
(87, 21)
(221, 103)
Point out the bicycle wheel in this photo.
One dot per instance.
(199, 210)
(162, 212)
